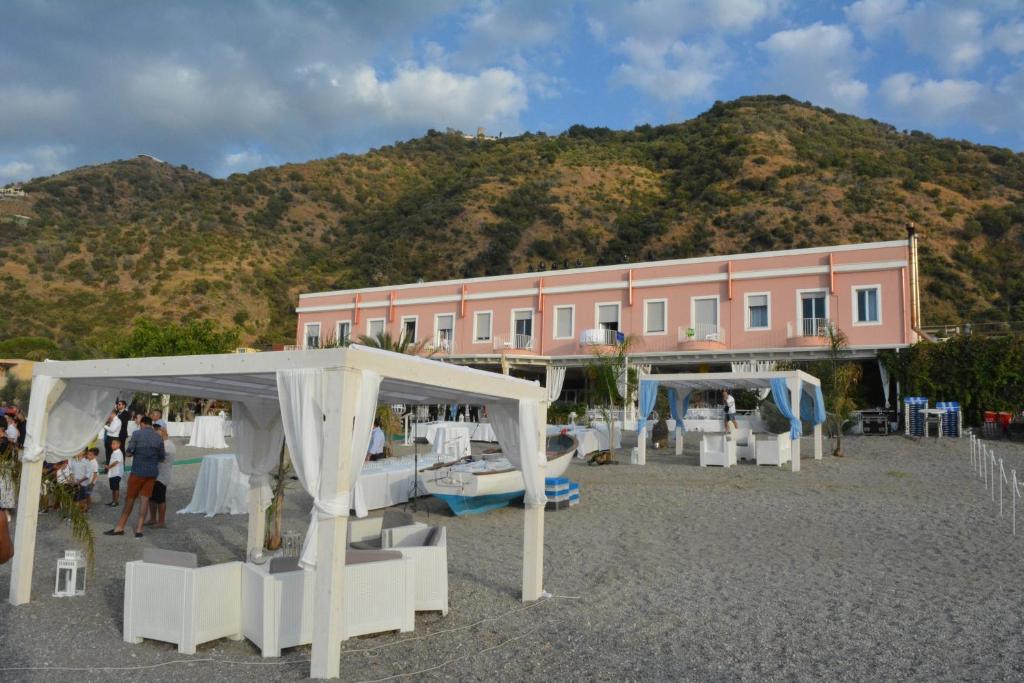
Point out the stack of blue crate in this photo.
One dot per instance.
(561, 493)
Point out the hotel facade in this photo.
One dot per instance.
(681, 314)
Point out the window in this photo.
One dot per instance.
(374, 327)
(409, 328)
(867, 311)
(522, 323)
(344, 332)
(812, 305)
(312, 336)
(655, 311)
(482, 326)
(608, 317)
(704, 317)
(444, 331)
(757, 311)
(564, 322)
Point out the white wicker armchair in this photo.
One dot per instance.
(168, 598)
(746, 443)
(717, 449)
(367, 533)
(277, 606)
(428, 547)
(774, 449)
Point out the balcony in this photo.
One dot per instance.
(702, 337)
(600, 340)
(808, 332)
(514, 344)
(440, 346)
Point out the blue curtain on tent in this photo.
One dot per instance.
(780, 394)
(812, 408)
(673, 401)
(648, 396)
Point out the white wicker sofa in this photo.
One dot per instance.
(717, 449)
(774, 449)
(277, 599)
(168, 597)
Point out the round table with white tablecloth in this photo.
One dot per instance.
(208, 432)
(221, 488)
(450, 440)
(478, 431)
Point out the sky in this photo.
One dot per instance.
(230, 86)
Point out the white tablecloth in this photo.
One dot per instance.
(388, 482)
(179, 429)
(478, 431)
(208, 432)
(593, 438)
(221, 488)
(449, 440)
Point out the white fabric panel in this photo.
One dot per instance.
(208, 432)
(301, 396)
(45, 390)
(259, 436)
(885, 381)
(516, 425)
(75, 419)
(554, 381)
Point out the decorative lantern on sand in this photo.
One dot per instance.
(70, 575)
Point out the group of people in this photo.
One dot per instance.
(148, 447)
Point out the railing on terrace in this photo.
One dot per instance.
(809, 327)
(440, 345)
(702, 332)
(517, 342)
(989, 329)
(600, 337)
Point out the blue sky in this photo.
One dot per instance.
(232, 86)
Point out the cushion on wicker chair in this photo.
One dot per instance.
(362, 556)
(279, 565)
(172, 558)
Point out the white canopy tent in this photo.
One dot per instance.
(797, 382)
(322, 403)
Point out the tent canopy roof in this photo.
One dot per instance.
(698, 381)
(240, 376)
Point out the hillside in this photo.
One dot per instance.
(105, 243)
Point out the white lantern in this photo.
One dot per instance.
(70, 575)
(291, 544)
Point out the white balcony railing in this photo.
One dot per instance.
(702, 332)
(513, 342)
(441, 344)
(598, 337)
(809, 327)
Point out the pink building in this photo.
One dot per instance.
(687, 312)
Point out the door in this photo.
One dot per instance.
(705, 318)
(812, 312)
(523, 330)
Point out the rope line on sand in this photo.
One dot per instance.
(984, 463)
(306, 660)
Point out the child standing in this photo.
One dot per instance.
(115, 470)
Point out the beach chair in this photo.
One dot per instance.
(365, 534)
(168, 597)
(428, 547)
(717, 449)
(773, 449)
(278, 599)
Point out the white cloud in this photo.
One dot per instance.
(1009, 37)
(874, 17)
(931, 100)
(42, 160)
(675, 19)
(816, 62)
(670, 71)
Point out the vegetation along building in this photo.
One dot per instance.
(687, 313)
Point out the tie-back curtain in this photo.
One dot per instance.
(554, 381)
(812, 406)
(648, 397)
(780, 394)
(259, 436)
(302, 395)
(516, 425)
(678, 404)
(78, 412)
(884, 373)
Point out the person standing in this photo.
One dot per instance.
(111, 433)
(157, 416)
(730, 410)
(115, 470)
(125, 417)
(11, 431)
(376, 449)
(147, 450)
(158, 503)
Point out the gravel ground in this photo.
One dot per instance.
(891, 563)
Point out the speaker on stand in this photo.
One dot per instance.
(420, 412)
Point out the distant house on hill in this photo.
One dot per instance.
(151, 158)
(15, 367)
(11, 192)
(17, 219)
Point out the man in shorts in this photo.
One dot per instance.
(730, 410)
(146, 449)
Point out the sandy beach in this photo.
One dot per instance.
(889, 564)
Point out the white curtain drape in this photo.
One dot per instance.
(554, 381)
(884, 372)
(516, 426)
(77, 413)
(302, 396)
(259, 436)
